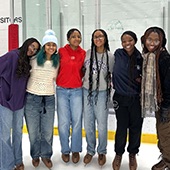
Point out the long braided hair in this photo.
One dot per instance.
(157, 51)
(93, 57)
(23, 68)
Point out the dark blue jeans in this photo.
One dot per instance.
(39, 116)
(129, 122)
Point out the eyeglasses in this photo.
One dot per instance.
(100, 37)
(155, 42)
(33, 48)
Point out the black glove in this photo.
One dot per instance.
(164, 115)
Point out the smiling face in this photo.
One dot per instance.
(74, 40)
(128, 43)
(50, 49)
(99, 39)
(32, 49)
(152, 41)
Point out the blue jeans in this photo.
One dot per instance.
(11, 123)
(95, 113)
(39, 116)
(69, 110)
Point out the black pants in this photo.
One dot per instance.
(129, 121)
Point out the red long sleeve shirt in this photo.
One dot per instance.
(71, 63)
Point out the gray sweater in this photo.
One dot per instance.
(103, 71)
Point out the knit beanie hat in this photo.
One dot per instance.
(132, 34)
(49, 37)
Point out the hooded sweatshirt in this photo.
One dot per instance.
(124, 77)
(71, 64)
(12, 88)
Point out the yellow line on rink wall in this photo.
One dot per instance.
(145, 138)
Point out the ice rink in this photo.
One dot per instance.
(147, 156)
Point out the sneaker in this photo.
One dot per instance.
(101, 159)
(47, 161)
(160, 165)
(35, 162)
(75, 157)
(87, 158)
(65, 157)
(19, 167)
(132, 161)
(117, 162)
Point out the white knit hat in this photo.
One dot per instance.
(49, 37)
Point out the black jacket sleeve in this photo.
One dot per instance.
(164, 71)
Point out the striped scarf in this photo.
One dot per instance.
(149, 85)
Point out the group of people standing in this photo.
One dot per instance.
(142, 87)
(83, 82)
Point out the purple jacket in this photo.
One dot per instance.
(12, 88)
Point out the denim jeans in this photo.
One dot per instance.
(95, 113)
(69, 110)
(11, 123)
(39, 116)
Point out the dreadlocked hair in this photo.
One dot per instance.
(157, 53)
(23, 67)
(93, 58)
